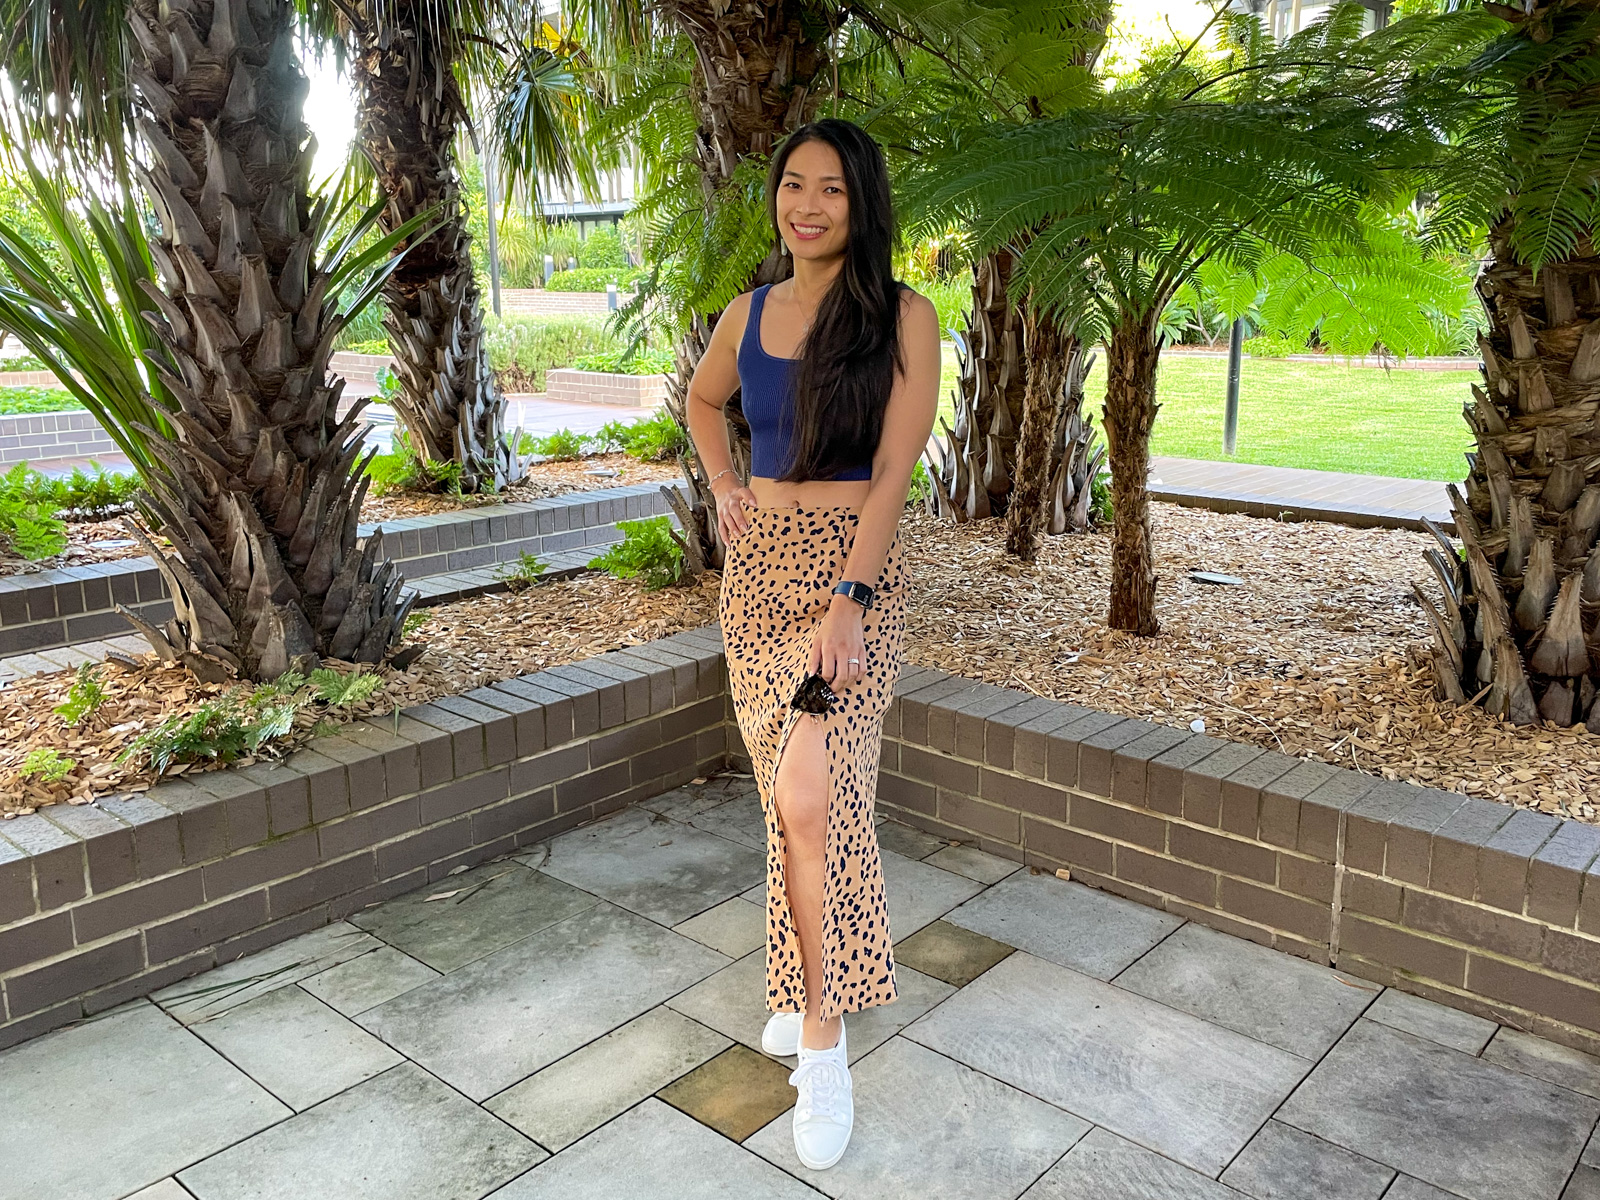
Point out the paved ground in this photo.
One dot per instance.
(584, 1022)
(1360, 500)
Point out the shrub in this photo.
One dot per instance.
(646, 362)
(50, 766)
(602, 249)
(917, 497)
(561, 445)
(951, 299)
(388, 385)
(24, 362)
(524, 571)
(371, 346)
(522, 349)
(648, 549)
(1273, 345)
(15, 401)
(86, 495)
(27, 527)
(594, 279)
(402, 470)
(84, 697)
(655, 438)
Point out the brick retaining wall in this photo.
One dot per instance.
(604, 387)
(1473, 903)
(27, 437)
(73, 605)
(102, 903)
(1479, 905)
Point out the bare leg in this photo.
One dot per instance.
(800, 791)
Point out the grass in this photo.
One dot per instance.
(1359, 420)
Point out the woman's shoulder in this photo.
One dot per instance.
(915, 307)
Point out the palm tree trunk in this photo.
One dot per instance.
(756, 66)
(260, 492)
(1520, 628)
(411, 110)
(1131, 406)
(1048, 350)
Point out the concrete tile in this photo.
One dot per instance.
(757, 894)
(511, 903)
(591, 1085)
(1407, 1188)
(682, 803)
(1445, 1117)
(499, 1019)
(918, 893)
(735, 1093)
(1568, 1068)
(1263, 994)
(654, 1151)
(932, 1128)
(904, 840)
(739, 820)
(1174, 1083)
(241, 981)
(733, 1002)
(107, 1107)
(297, 1047)
(1066, 923)
(401, 1136)
(167, 1189)
(974, 863)
(735, 927)
(1283, 1163)
(949, 952)
(659, 869)
(1105, 1167)
(368, 980)
(1436, 1022)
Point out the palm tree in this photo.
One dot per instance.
(259, 491)
(1518, 629)
(1258, 149)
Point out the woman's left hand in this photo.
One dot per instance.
(838, 642)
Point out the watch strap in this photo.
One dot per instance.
(859, 592)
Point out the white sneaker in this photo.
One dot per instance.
(824, 1112)
(781, 1037)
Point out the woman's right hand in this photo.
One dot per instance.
(732, 516)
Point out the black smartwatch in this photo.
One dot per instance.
(859, 592)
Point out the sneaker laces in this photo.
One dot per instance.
(824, 1083)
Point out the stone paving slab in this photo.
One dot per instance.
(368, 980)
(208, 996)
(494, 905)
(906, 841)
(939, 1130)
(739, 820)
(297, 1047)
(1261, 993)
(1187, 1089)
(1561, 1065)
(917, 893)
(665, 871)
(1066, 923)
(733, 1002)
(581, 1092)
(1447, 1118)
(655, 1151)
(499, 1019)
(99, 1110)
(1105, 1167)
(401, 1136)
(167, 1189)
(973, 863)
(735, 927)
(1446, 1026)
(1284, 1163)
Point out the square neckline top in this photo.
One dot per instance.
(766, 385)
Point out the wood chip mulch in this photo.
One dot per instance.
(1312, 654)
(544, 479)
(470, 643)
(87, 542)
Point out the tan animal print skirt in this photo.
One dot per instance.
(777, 584)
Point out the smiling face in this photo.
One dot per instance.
(812, 207)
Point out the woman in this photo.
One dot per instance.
(838, 368)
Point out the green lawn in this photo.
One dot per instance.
(1363, 420)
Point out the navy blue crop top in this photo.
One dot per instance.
(766, 385)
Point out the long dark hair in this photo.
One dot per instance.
(849, 356)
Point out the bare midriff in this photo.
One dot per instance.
(813, 493)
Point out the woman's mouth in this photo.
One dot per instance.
(807, 233)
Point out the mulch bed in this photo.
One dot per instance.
(544, 479)
(87, 542)
(1313, 654)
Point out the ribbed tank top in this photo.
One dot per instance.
(766, 385)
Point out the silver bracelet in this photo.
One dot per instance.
(718, 476)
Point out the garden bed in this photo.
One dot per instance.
(1312, 655)
(470, 643)
(554, 478)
